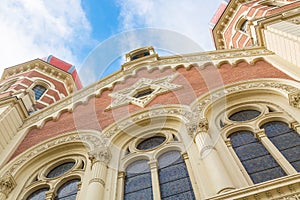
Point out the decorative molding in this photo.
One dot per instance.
(91, 141)
(158, 86)
(7, 184)
(101, 154)
(184, 113)
(294, 99)
(203, 125)
(271, 84)
(97, 180)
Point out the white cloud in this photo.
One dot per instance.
(35, 29)
(190, 17)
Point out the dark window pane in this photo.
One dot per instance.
(151, 143)
(258, 162)
(244, 115)
(138, 184)
(173, 177)
(145, 194)
(61, 169)
(68, 190)
(38, 91)
(38, 195)
(286, 140)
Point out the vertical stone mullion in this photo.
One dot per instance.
(155, 179)
(120, 185)
(277, 155)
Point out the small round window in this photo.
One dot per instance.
(151, 143)
(244, 115)
(60, 170)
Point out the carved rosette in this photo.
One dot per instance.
(7, 184)
(102, 154)
(294, 99)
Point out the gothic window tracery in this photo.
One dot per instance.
(254, 149)
(68, 191)
(38, 194)
(65, 176)
(169, 167)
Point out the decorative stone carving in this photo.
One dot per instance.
(101, 154)
(294, 99)
(91, 141)
(203, 125)
(156, 86)
(7, 184)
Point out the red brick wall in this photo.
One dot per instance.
(195, 83)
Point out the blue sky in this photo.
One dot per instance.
(77, 31)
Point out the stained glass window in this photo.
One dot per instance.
(151, 143)
(138, 183)
(173, 177)
(38, 195)
(61, 169)
(244, 115)
(258, 162)
(68, 191)
(38, 91)
(286, 140)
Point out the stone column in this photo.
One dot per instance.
(213, 164)
(7, 184)
(99, 160)
(155, 180)
(120, 188)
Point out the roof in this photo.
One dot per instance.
(67, 67)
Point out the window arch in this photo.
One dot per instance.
(138, 183)
(68, 191)
(61, 180)
(173, 177)
(161, 153)
(38, 194)
(257, 161)
(38, 90)
(286, 140)
(266, 149)
(7, 85)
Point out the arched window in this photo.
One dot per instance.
(68, 191)
(138, 183)
(173, 177)
(61, 169)
(38, 91)
(38, 195)
(257, 161)
(286, 140)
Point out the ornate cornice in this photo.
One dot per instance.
(7, 184)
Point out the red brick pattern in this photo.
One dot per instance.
(195, 82)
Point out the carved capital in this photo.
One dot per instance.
(203, 125)
(261, 134)
(100, 155)
(294, 99)
(7, 184)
